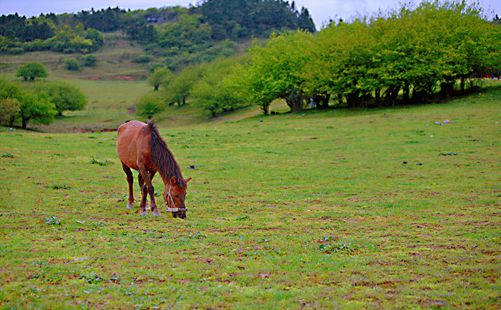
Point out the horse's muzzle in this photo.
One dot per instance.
(179, 214)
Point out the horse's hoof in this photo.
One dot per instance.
(156, 213)
(130, 207)
(144, 213)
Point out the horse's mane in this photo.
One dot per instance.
(162, 157)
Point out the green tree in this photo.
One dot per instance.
(96, 37)
(276, 70)
(65, 97)
(179, 89)
(32, 70)
(36, 107)
(158, 77)
(216, 91)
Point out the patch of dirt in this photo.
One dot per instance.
(89, 130)
(123, 77)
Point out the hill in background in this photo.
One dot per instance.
(173, 36)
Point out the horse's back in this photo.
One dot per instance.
(129, 141)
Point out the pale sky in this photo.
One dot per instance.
(321, 10)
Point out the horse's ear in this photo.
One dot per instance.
(173, 181)
(187, 180)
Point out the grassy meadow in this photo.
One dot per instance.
(340, 209)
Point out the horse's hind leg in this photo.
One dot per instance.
(144, 194)
(130, 180)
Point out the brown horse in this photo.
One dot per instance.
(140, 147)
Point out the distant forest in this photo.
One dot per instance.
(180, 35)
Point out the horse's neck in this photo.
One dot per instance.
(166, 177)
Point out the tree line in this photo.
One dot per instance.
(409, 55)
(19, 34)
(175, 36)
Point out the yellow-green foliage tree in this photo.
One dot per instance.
(407, 55)
(216, 91)
(36, 107)
(275, 70)
(178, 89)
(160, 76)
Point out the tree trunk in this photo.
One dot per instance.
(322, 100)
(446, 89)
(25, 122)
(295, 101)
(406, 93)
(461, 85)
(391, 95)
(340, 99)
(377, 94)
(265, 108)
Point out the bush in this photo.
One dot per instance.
(15, 51)
(150, 105)
(65, 97)
(8, 89)
(72, 65)
(9, 108)
(32, 70)
(141, 59)
(88, 60)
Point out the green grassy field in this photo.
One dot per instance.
(347, 209)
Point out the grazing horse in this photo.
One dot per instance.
(140, 147)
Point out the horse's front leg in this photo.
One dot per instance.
(154, 208)
(144, 195)
(148, 189)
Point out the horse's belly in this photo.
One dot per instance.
(127, 144)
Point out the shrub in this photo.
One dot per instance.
(141, 59)
(32, 70)
(72, 65)
(88, 60)
(65, 97)
(150, 105)
(9, 108)
(15, 50)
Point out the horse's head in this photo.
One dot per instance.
(174, 196)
